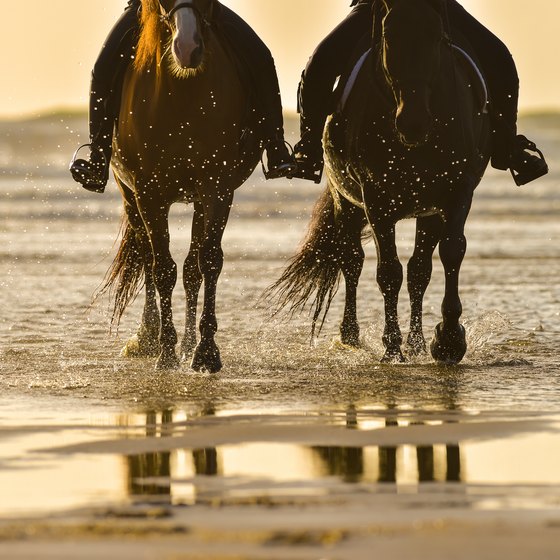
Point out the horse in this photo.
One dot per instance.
(181, 136)
(411, 141)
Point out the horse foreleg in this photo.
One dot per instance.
(449, 343)
(351, 263)
(192, 280)
(165, 278)
(419, 273)
(210, 261)
(390, 279)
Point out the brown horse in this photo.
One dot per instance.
(412, 140)
(181, 137)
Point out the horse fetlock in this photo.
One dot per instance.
(392, 339)
(449, 344)
(208, 327)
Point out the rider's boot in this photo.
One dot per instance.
(280, 161)
(527, 162)
(518, 154)
(279, 158)
(308, 152)
(93, 172)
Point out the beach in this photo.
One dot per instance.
(298, 448)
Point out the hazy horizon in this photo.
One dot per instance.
(41, 73)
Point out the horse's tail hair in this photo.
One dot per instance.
(314, 272)
(125, 277)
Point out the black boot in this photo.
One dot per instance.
(92, 173)
(524, 165)
(280, 162)
(308, 154)
(513, 151)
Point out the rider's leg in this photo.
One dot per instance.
(317, 82)
(510, 150)
(106, 88)
(260, 65)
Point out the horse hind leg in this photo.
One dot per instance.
(211, 258)
(419, 273)
(192, 280)
(351, 260)
(165, 278)
(145, 342)
(449, 343)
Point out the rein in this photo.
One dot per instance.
(167, 17)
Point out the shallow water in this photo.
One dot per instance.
(283, 415)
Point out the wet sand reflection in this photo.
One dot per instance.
(162, 476)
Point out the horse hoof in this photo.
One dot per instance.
(138, 348)
(167, 360)
(449, 347)
(416, 344)
(206, 358)
(393, 357)
(350, 336)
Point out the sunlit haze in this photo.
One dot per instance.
(48, 48)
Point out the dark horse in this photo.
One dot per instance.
(412, 140)
(178, 139)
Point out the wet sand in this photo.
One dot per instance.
(293, 451)
(284, 532)
(406, 483)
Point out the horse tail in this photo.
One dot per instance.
(314, 272)
(125, 277)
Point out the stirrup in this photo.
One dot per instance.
(285, 169)
(80, 169)
(540, 167)
(309, 169)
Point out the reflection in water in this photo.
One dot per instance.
(149, 474)
(350, 465)
(153, 476)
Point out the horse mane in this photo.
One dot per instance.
(379, 12)
(149, 48)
